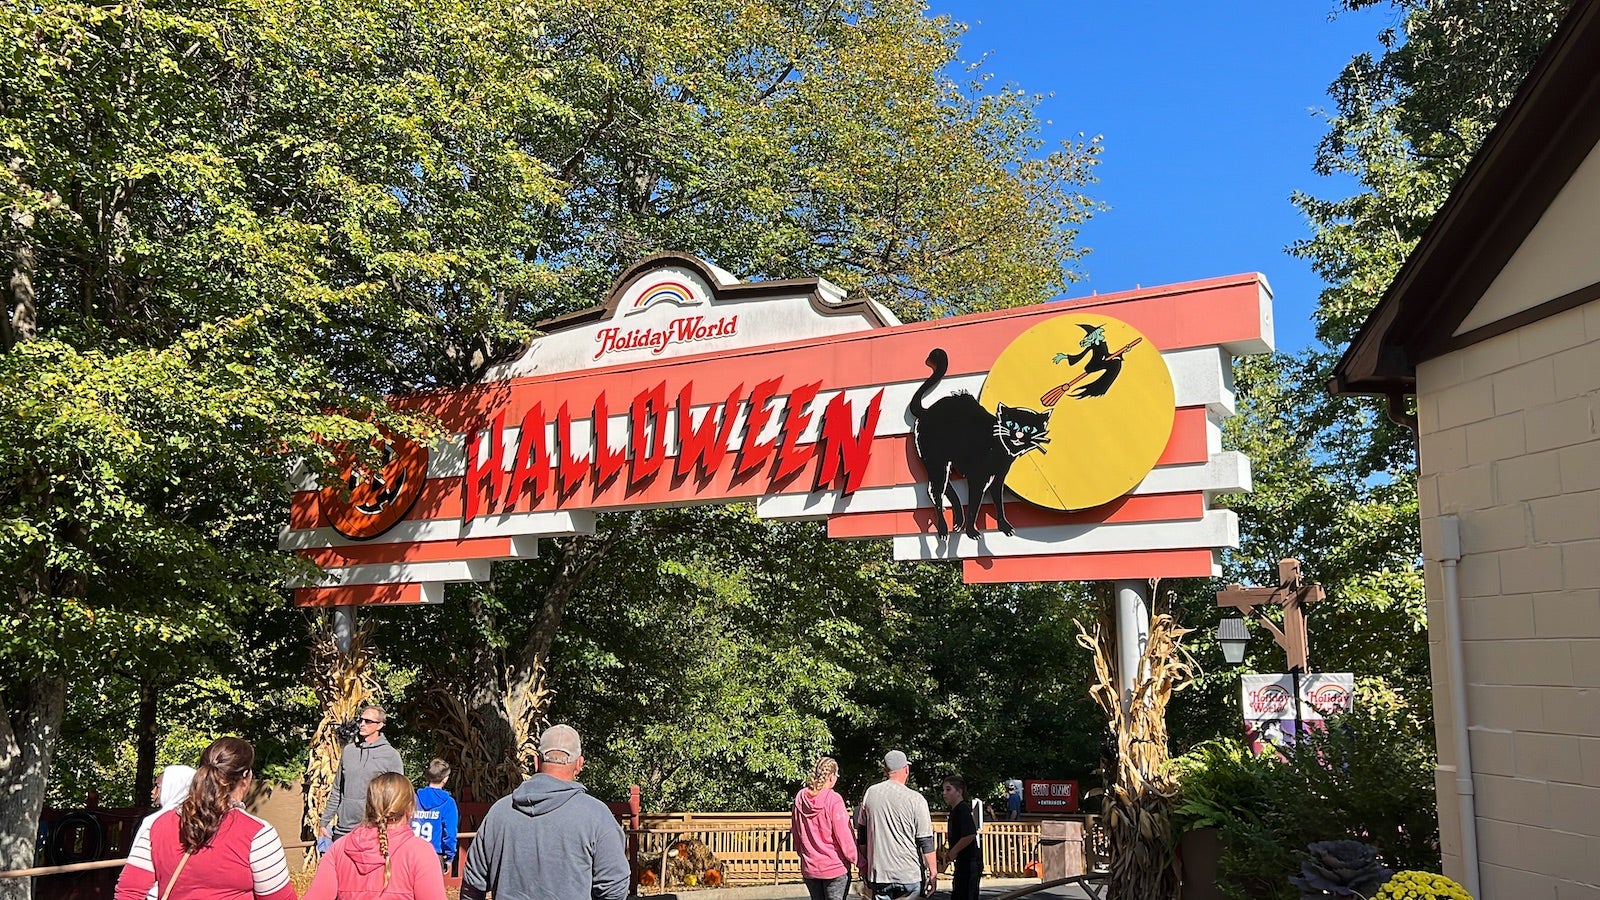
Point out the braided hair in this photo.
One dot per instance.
(826, 767)
(390, 799)
(223, 766)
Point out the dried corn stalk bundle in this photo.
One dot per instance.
(486, 765)
(527, 701)
(1136, 809)
(343, 684)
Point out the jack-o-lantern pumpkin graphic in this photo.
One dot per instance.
(365, 504)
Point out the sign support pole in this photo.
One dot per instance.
(1133, 634)
(344, 627)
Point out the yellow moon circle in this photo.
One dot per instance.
(1101, 445)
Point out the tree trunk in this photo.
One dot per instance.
(21, 321)
(31, 725)
(144, 770)
(492, 725)
(28, 735)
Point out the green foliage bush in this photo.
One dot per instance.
(1367, 777)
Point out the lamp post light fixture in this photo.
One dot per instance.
(1233, 635)
(1291, 595)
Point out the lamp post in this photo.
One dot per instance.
(1233, 635)
(1292, 594)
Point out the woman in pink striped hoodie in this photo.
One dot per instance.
(822, 834)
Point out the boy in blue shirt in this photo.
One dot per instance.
(435, 818)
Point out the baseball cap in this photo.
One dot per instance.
(560, 744)
(894, 761)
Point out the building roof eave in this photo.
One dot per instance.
(1546, 132)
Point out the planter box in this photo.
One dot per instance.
(1201, 851)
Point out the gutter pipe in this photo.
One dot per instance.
(1449, 556)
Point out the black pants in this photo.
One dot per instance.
(964, 881)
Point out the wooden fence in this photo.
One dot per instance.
(758, 848)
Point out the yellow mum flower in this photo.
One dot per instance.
(1421, 886)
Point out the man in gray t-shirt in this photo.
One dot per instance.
(895, 833)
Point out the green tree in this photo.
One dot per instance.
(1405, 124)
(224, 221)
(779, 139)
(1335, 478)
(1316, 497)
(199, 272)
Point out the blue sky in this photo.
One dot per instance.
(1210, 114)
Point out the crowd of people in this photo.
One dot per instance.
(549, 839)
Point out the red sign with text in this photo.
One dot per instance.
(1050, 796)
(688, 386)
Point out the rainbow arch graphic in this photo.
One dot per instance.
(1330, 697)
(673, 293)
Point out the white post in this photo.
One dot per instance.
(344, 627)
(1133, 633)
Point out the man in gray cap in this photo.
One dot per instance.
(895, 833)
(549, 840)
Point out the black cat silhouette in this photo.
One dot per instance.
(956, 434)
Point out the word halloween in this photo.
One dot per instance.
(841, 450)
(679, 331)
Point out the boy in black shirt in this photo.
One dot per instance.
(966, 819)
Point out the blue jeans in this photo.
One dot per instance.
(829, 888)
(893, 891)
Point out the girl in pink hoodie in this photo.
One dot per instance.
(381, 858)
(822, 834)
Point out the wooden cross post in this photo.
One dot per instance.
(1292, 594)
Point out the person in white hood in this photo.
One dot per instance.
(172, 786)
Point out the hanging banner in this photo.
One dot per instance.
(1078, 440)
(1272, 717)
(1324, 695)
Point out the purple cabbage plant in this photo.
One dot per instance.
(1346, 869)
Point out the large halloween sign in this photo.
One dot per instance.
(1076, 440)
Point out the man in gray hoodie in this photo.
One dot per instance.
(370, 756)
(549, 840)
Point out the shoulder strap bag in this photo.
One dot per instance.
(167, 894)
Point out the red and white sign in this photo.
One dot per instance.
(1324, 694)
(1271, 717)
(1269, 697)
(791, 396)
(1050, 796)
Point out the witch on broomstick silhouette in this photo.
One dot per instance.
(1100, 360)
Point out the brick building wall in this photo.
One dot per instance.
(1509, 433)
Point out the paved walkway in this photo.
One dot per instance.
(991, 887)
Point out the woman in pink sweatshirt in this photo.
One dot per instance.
(381, 858)
(822, 834)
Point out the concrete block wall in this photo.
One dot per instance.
(1509, 431)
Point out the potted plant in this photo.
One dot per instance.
(1221, 788)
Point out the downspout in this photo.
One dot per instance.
(1449, 556)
